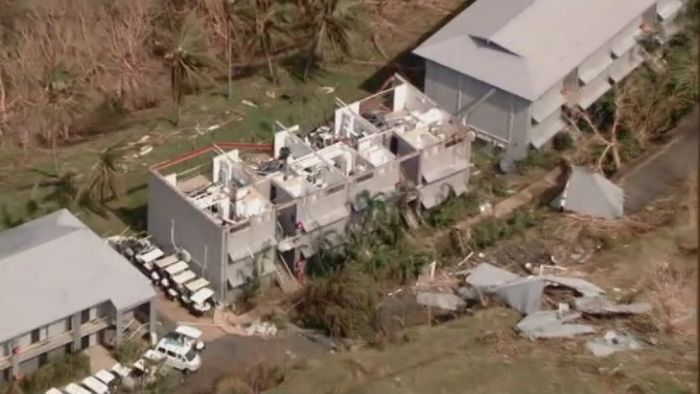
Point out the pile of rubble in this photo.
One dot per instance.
(573, 298)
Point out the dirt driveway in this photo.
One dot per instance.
(234, 353)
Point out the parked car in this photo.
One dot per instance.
(176, 355)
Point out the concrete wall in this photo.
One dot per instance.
(256, 235)
(378, 180)
(314, 209)
(175, 223)
(502, 116)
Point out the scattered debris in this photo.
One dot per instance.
(524, 294)
(271, 94)
(589, 193)
(487, 275)
(486, 208)
(249, 103)
(327, 89)
(445, 301)
(584, 287)
(612, 342)
(261, 329)
(143, 139)
(468, 293)
(602, 306)
(145, 150)
(552, 324)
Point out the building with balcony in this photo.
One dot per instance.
(63, 289)
(506, 67)
(241, 217)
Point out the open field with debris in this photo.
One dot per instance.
(652, 258)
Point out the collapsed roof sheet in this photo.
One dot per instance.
(589, 193)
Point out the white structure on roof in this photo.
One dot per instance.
(507, 66)
(61, 288)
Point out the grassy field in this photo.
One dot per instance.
(482, 353)
(305, 103)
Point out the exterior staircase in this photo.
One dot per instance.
(285, 279)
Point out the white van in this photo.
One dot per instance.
(95, 385)
(176, 355)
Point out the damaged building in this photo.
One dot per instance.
(236, 220)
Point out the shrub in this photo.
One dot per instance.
(130, 351)
(256, 379)
(57, 373)
(342, 305)
(562, 142)
(492, 230)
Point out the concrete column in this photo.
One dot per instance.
(14, 358)
(152, 316)
(118, 328)
(75, 322)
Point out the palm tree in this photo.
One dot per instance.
(105, 180)
(331, 22)
(187, 58)
(269, 22)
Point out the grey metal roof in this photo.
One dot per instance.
(525, 46)
(589, 193)
(55, 266)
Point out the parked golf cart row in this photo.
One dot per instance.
(178, 349)
(172, 273)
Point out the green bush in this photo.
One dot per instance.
(491, 230)
(57, 373)
(562, 142)
(343, 304)
(130, 351)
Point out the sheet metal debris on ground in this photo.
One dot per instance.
(612, 342)
(552, 324)
(445, 301)
(597, 305)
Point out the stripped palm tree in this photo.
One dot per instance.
(332, 22)
(187, 58)
(269, 24)
(106, 174)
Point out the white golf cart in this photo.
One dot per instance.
(95, 385)
(73, 388)
(178, 282)
(201, 301)
(191, 288)
(107, 378)
(159, 267)
(187, 335)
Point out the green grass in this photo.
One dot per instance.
(20, 171)
(482, 354)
